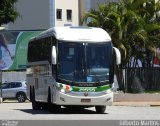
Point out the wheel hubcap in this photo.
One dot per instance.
(21, 98)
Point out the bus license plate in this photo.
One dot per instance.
(85, 100)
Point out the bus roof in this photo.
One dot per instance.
(85, 34)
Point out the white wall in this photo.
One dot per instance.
(34, 14)
(13, 76)
(64, 5)
(52, 13)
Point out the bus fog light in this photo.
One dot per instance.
(62, 99)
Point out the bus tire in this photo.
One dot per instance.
(35, 105)
(52, 107)
(100, 109)
(30, 94)
(49, 103)
(44, 106)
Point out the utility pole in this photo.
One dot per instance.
(1, 86)
(1, 28)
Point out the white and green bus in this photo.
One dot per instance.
(71, 67)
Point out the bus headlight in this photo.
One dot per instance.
(109, 91)
(64, 88)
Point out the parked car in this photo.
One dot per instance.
(15, 90)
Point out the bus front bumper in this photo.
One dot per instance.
(85, 99)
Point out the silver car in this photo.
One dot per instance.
(14, 90)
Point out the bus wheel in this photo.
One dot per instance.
(44, 106)
(30, 94)
(35, 105)
(49, 103)
(100, 109)
(52, 107)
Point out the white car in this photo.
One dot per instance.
(15, 90)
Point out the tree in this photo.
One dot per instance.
(108, 18)
(133, 26)
(143, 32)
(8, 12)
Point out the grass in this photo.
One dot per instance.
(152, 91)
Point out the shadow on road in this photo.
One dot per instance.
(61, 111)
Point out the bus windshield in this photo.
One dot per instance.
(84, 62)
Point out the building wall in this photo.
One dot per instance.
(95, 3)
(41, 14)
(13, 76)
(82, 10)
(34, 14)
(64, 5)
(52, 13)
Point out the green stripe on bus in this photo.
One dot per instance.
(96, 89)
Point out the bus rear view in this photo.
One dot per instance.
(71, 67)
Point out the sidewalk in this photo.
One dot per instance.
(144, 99)
(138, 104)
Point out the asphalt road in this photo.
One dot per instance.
(23, 111)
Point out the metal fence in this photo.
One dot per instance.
(142, 79)
(136, 80)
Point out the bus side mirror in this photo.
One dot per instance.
(54, 55)
(118, 55)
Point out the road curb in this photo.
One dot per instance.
(137, 104)
(144, 99)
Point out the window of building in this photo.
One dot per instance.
(59, 14)
(69, 15)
